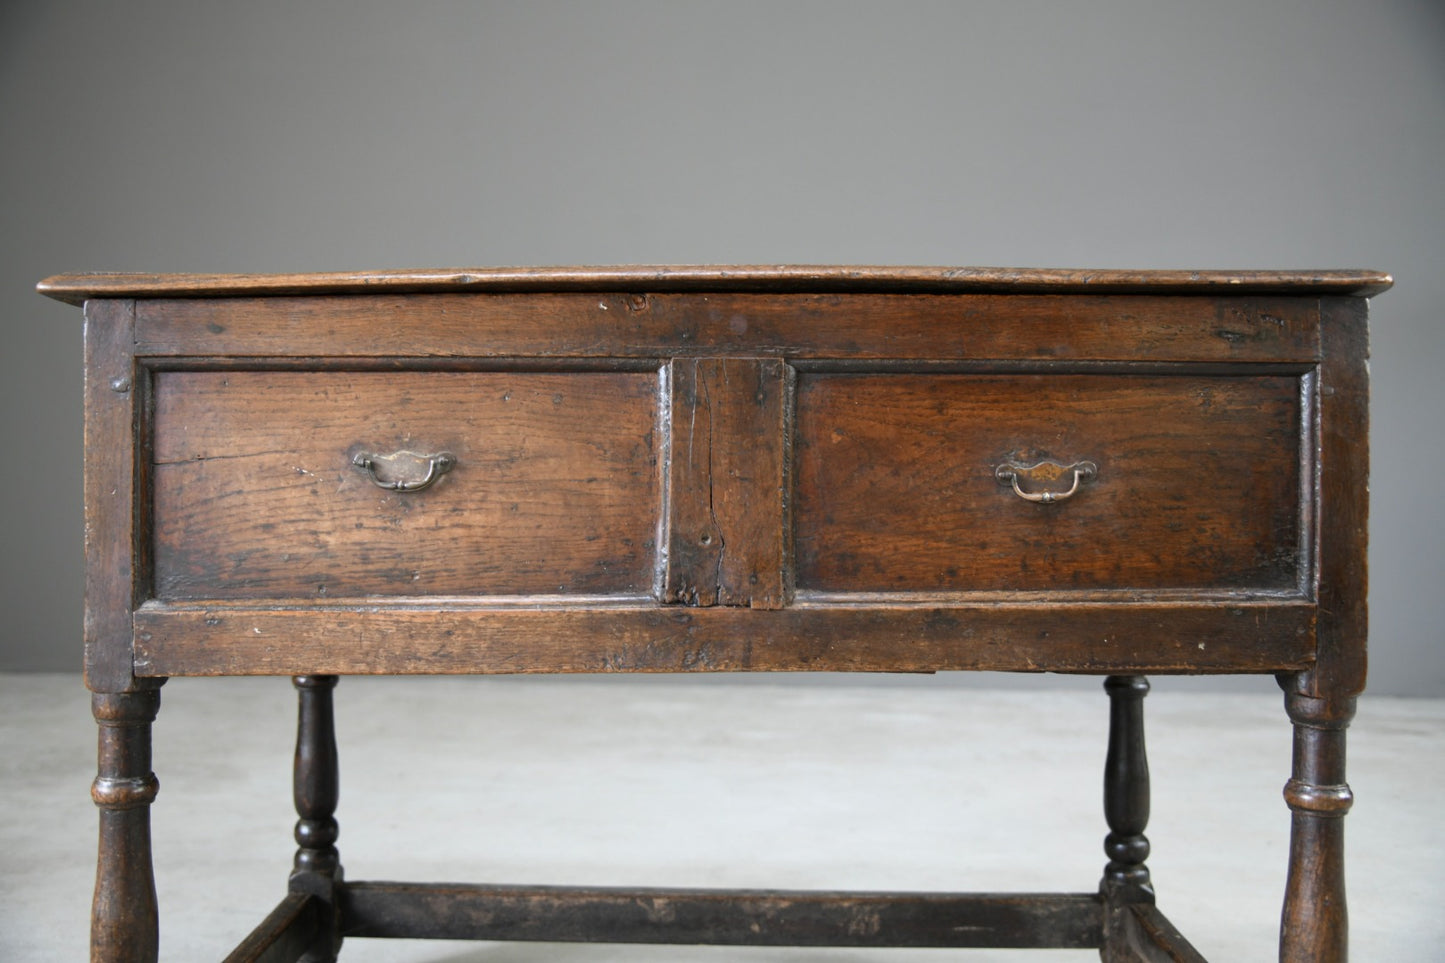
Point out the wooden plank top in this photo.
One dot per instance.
(77, 288)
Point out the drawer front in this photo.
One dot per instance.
(1196, 483)
(546, 483)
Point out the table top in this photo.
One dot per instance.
(77, 288)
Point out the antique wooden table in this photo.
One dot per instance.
(724, 469)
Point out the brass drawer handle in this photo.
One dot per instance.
(1044, 472)
(399, 471)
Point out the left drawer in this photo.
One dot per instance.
(552, 484)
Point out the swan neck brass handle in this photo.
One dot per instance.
(404, 471)
(1045, 473)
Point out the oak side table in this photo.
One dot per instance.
(724, 469)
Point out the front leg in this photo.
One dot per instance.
(317, 868)
(1126, 808)
(124, 925)
(1314, 927)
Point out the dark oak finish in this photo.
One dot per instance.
(78, 288)
(1150, 938)
(1156, 328)
(730, 917)
(1343, 511)
(124, 921)
(285, 935)
(727, 483)
(316, 870)
(676, 469)
(991, 634)
(1126, 788)
(115, 466)
(1126, 881)
(1197, 483)
(1314, 926)
(256, 494)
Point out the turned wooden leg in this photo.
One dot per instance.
(1314, 927)
(1126, 808)
(124, 919)
(317, 868)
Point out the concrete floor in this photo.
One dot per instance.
(867, 783)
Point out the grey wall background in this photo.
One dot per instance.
(268, 136)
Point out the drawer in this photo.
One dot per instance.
(260, 490)
(1198, 483)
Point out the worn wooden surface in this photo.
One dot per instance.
(1314, 924)
(316, 788)
(75, 288)
(1048, 328)
(1149, 937)
(997, 636)
(1126, 881)
(124, 919)
(555, 489)
(1343, 505)
(115, 546)
(1126, 787)
(733, 917)
(284, 935)
(727, 527)
(1198, 482)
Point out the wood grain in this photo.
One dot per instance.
(722, 917)
(451, 637)
(1149, 937)
(124, 917)
(1197, 484)
(113, 552)
(1048, 328)
(1314, 921)
(1343, 504)
(555, 490)
(76, 288)
(284, 935)
(726, 522)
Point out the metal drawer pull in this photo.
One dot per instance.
(1044, 472)
(399, 471)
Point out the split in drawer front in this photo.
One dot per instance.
(555, 487)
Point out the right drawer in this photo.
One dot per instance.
(1184, 482)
